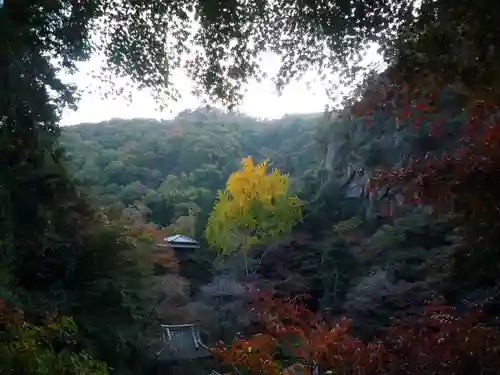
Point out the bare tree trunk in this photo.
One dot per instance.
(245, 258)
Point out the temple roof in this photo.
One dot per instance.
(179, 238)
(179, 241)
(181, 342)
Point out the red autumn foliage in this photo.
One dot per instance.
(9, 316)
(439, 342)
(453, 180)
(312, 339)
(254, 355)
(450, 181)
(162, 254)
(463, 180)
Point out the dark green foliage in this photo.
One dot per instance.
(58, 254)
(41, 349)
(60, 257)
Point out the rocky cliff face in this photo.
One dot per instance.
(353, 150)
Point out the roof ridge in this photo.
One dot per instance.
(176, 237)
(178, 325)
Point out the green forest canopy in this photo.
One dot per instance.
(169, 167)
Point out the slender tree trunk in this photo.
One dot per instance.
(245, 256)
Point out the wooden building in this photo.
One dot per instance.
(181, 342)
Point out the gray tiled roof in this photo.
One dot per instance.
(179, 238)
(181, 342)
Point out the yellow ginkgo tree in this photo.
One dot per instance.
(254, 207)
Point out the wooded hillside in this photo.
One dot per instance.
(355, 254)
(165, 170)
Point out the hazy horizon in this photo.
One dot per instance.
(305, 114)
(261, 101)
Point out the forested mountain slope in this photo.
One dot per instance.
(348, 252)
(167, 169)
(358, 252)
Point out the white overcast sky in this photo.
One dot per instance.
(261, 100)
